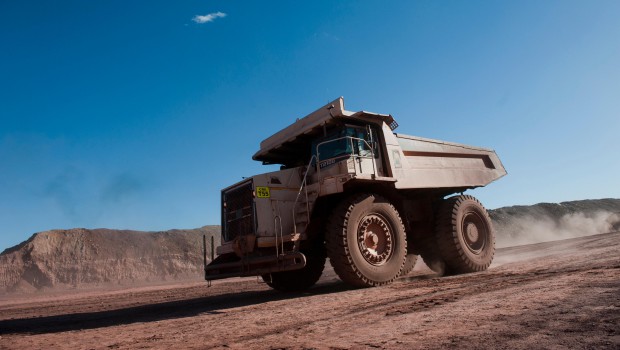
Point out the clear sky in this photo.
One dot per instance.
(134, 114)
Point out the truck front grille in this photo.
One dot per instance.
(237, 211)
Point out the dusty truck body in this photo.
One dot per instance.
(352, 190)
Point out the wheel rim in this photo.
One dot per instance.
(475, 232)
(375, 239)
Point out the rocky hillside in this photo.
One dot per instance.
(79, 258)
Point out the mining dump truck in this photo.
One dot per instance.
(351, 190)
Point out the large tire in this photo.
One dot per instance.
(465, 237)
(299, 280)
(410, 261)
(429, 251)
(366, 241)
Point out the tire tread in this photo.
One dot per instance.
(448, 246)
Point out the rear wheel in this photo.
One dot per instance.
(464, 233)
(366, 241)
(429, 251)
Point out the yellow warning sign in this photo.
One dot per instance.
(262, 192)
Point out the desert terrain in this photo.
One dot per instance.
(553, 295)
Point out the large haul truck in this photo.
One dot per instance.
(351, 190)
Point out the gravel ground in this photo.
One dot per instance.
(554, 295)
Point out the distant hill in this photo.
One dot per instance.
(82, 258)
(553, 221)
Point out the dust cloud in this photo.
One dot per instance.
(531, 229)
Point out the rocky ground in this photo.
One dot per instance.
(556, 295)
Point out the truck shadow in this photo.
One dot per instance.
(215, 304)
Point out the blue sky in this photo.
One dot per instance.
(135, 114)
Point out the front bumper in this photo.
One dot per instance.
(229, 265)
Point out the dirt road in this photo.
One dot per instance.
(563, 294)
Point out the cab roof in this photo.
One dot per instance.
(292, 143)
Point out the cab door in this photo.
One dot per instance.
(366, 155)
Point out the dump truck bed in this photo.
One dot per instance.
(430, 163)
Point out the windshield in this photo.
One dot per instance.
(342, 143)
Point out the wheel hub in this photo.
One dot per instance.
(472, 232)
(375, 239)
(372, 240)
(475, 232)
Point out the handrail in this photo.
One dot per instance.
(275, 221)
(316, 158)
(303, 185)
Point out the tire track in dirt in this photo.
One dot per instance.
(477, 286)
(442, 291)
(410, 313)
(446, 290)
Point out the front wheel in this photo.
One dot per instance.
(464, 234)
(299, 280)
(366, 241)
